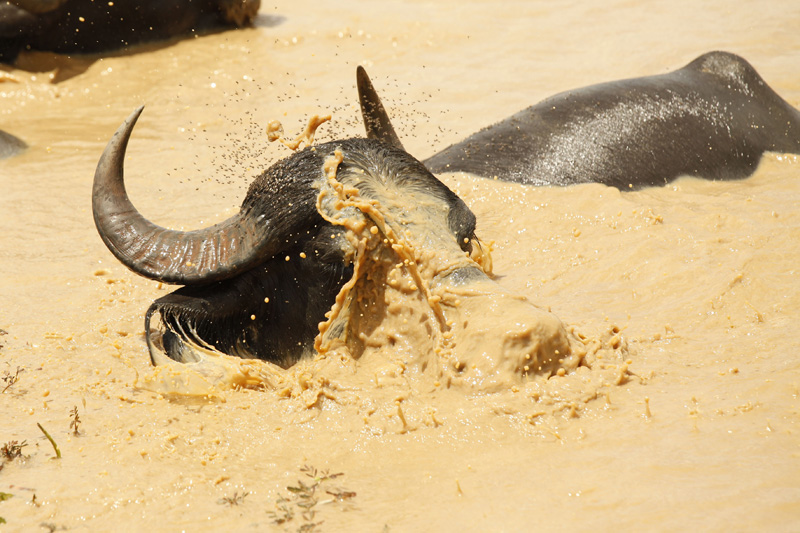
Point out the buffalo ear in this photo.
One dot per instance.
(376, 120)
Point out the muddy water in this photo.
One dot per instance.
(689, 292)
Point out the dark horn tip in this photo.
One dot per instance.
(363, 81)
(135, 115)
(111, 158)
(131, 120)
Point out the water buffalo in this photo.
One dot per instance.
(259, 284)
(713, 118)
(88, 26)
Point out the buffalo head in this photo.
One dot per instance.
(322, 239)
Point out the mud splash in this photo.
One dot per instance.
(416, 317)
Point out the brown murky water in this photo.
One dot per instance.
(688, 294)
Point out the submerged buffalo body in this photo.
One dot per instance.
(258, 284)
(713, 118)
(88, 26)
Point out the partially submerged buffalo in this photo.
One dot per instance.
(713, 119)
(89, 26)
(259, 284)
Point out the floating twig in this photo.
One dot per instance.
(55, 446)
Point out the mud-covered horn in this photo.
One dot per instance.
(376, 120)
(185, 257)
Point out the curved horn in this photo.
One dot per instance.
(376, 119)
(184, 257)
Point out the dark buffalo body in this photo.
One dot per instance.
(713, 119)
(89, 26)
